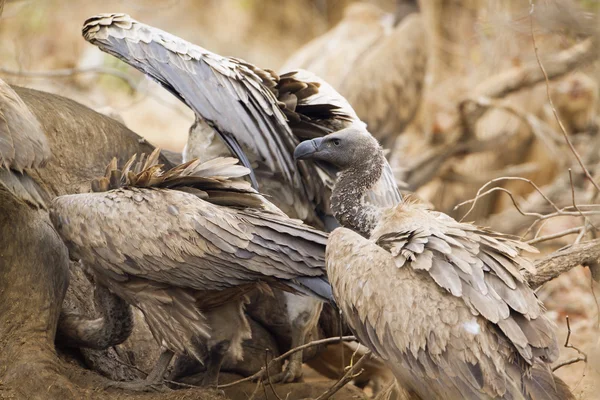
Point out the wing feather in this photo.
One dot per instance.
(478, 266)
(202, 247)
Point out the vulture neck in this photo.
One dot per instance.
(349, 200)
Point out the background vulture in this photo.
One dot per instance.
(443, 303)
(255, 115)
(376, 60)
(185, 246)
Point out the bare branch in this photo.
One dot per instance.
(69, 72)
(547, 268)
(348, 376)
(562, 128)
(260, 373)
(518, 78)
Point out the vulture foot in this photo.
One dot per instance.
(291, 373)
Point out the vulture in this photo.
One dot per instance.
(377, 61)
(443, 303)
(33, 259)
(185, 246)
(254, 115)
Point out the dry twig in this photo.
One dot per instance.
(505, 178)
(69, 72)
(267, 351)
(348, 376)
(560, 124)
(260, 373)
(566, 232)
(581, 357)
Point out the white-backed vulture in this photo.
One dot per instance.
(254, 115)
(444, 303)
(34, 269)
(376, 62)
(185, 246)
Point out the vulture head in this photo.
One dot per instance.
(347, 148)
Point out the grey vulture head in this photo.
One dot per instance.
(349, 148)
(444, 303)
(184, 243)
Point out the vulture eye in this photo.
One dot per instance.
(336, 142)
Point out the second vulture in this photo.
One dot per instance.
(185, 246)
(444, 303)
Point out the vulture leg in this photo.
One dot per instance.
(303, 312)
(216, 355)
(154, 380)
(229, 328)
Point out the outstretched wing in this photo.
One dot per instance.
(437, 345)
(230, 94)
(176, 238)
(267, 114)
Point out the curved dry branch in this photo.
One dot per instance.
(529, 74)
(586, 254)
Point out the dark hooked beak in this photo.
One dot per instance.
(307, 148)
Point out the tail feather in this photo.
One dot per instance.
(24, 188)
(543, 384)
(214, 181)
(316, 286)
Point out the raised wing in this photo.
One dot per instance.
(230, 94)
(261, 116)
(440, 345)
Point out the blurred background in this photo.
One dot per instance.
(453, 89)
(45, 35)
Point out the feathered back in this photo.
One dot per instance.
(214, 181)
